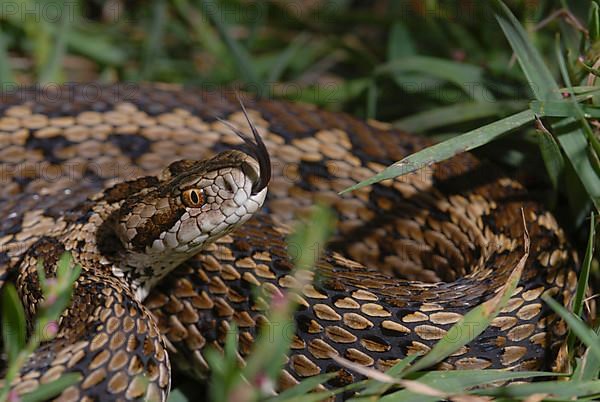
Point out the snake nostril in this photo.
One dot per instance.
(233, 181)
(229, 186)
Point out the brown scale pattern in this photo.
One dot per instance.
(436, 242)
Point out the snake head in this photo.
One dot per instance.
(166, 220)
(193, 203)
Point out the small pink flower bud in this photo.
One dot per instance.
(13, 396)
(50, 330)
(278, 300)
(50, 300)
(51, 282)
(459, 55)
(265, 384)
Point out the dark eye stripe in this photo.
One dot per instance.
(163, 220)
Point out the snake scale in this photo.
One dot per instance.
(135, 180)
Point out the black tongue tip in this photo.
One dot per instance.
(255, 176)
(257, 149)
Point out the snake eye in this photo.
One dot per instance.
(192, 198)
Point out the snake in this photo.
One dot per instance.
(177, 203)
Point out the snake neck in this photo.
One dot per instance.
(92, 240)
(143, 271)
(140, 270)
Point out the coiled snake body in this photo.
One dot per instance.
(409, 257)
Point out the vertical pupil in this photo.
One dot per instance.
(194, 197)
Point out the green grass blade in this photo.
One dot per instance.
(475, 321)
(551, 154)
(258, 21)
(304, 387)
(314, 397)
(66, 274)
(591, 179)
(457, 113)
(305, 246)
(52, 70)
(466, 76)
(587, 130)
(377, 388)
(48, 391)
(398, 369)
(372, 94)
(241, 56)
(6, 75)
(576, 148)
(564, 108)
(584, 89)
(176, 395)
(400, 46)
(588, 367)
(308, 240)
(329, 95)
(103, 51)
(400, 43)
(285, 57)
(537, 73)
(456, 382)
(562, 389)
(204, 33)
(594, 22)
(449, 148)
(230, 350)
(153, 46)
(584, 276)
(579, 328)
(577, 196)
(13, 322)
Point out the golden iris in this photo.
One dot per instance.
(192, 198)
